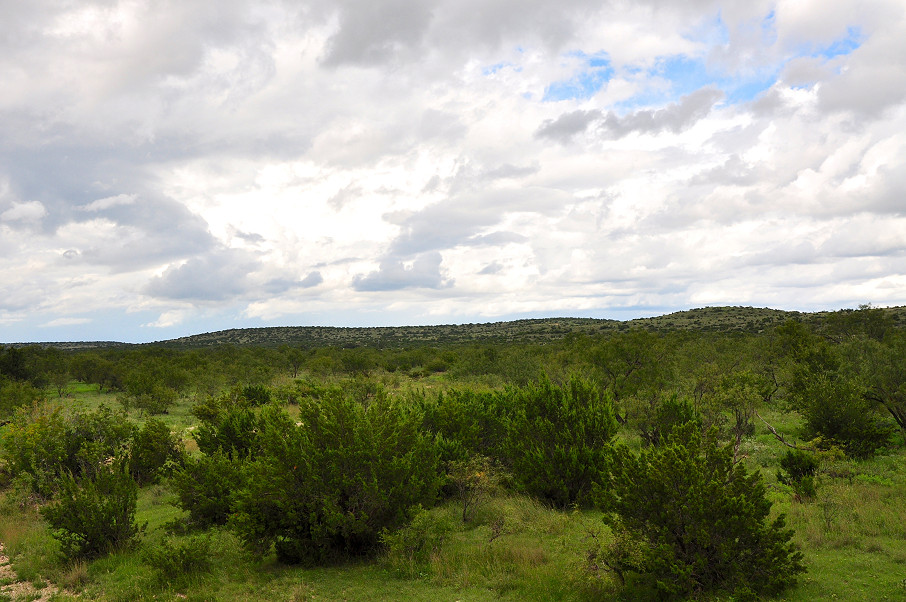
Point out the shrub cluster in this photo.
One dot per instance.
(90, 464)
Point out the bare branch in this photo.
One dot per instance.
(780, 437)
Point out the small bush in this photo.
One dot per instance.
(97, 515)
(256, 395)
(154, 450)
(798, 470)
(177, 562)
(408, 550)
(473, 482)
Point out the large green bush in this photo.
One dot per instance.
(206, 487)
(233, 431)
(559, 440)
(95, 515)
(689, 520)
(325, 485)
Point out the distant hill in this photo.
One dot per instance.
(707, 319)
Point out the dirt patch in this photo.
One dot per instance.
(20, 590)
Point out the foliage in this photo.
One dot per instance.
(34, 447)
(325, 486)
(409, 549)
(836, 411)
(659, 421)
(798, 470)
(41, 445)
(233, 432)
(92, 438)
(881, 365)
(154, 451)
(95, 515)
(256, 395)
(177, 562)
(692, 521)
(467, 422)
(559, 440)
(831, 400)
(473, 481)
(16, 394)
(206, 487)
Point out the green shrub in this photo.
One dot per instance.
(16, 394)
(559, 440)
(35, 449)
(92, 438)
(798, 470)
(95, 515)
(206, 487)
(688, 520)
(177, 562)
(256, 395)
(473, 482)
(658, 424)
(325, 486)
(234, 432)
(836, 411)
(154, 451)
(409, 549)
(467, 422)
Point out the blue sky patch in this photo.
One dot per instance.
(596, 72)
(845, 45)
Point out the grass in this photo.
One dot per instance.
(853, 535)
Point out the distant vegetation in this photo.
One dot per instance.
(724, 452)
(721, 319)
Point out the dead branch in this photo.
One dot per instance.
(780, 437)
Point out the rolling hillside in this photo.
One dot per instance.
(743, 319)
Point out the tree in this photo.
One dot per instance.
(821, 385)
(881, 366)
(689, 520)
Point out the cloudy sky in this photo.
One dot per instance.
(175, 167)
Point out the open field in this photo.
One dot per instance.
(509, 545)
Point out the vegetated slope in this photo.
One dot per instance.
(741, 319)
(525, 331)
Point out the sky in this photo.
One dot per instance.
(172, 167)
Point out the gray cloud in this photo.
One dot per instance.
(675, 117)
(375, 32)
(313, 279)
(564, 127)
(213, 277)
(393, 275)
(733, 172)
